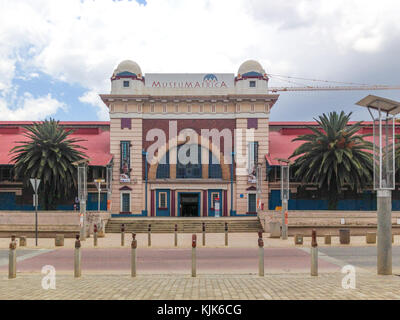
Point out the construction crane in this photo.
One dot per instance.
(343, 86)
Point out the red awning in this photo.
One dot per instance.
(96, 140)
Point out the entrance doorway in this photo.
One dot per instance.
(189, 204)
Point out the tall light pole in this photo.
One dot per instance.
(384, 172)
(284, 163)
(109, 178)
(82, 194)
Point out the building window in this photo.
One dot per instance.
(152, 107)
(213, 108)
(238, 107)
(201, 108)
(252, 84)
(188, 170)
(164, 108)
(252, 202)
(252, 157)
(214, 167)
(5, 173)
(214, 197)
(189, 108)
(162, 200)
(225, 108)
(125, 147)
(176, 108)
(126, 84)
(163, 167)
(252, 107)
(126, 202)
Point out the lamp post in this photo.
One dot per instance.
(98, 183)
(383, 113)
(109, 178)
(82, 194)
(284, 164)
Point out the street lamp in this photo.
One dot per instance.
(109, 178)
(384, 172)
(82, 194)
(284, 164)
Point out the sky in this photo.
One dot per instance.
(57, 56)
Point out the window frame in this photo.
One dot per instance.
(122, 201)
(165, 200)
(248, 202)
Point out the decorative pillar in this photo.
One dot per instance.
(152, 213)
(205, 204)
(172, 213)
(225, 212)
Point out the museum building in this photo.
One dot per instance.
(215, 119)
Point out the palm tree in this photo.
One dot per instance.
(333, 156)
(48, 155)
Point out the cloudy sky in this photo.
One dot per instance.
(57, 56)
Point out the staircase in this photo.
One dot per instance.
(185, 225)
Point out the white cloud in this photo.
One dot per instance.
(31, 108)
(82, 41)
(92, 98)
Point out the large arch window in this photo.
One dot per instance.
(214, 167)
(163, 167)
(188, 170)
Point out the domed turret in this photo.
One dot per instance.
(251, 76)
(128, 67)
(127, 78)
(251, 67)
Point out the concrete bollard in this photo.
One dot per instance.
(260, 234)
(133, 255)
(176, 236)
(59, 240)
(12, 259)
(122, 235)
(314, 254)
(298, 239)
(344, 236)
(328, 239)
(260, 257)
(22, 241)
(95, 234)
(149, 236)
(226, 234)
(204, 233)
(77, 258)
(370, 237)
(194, 240)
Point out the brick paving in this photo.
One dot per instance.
(171, 287)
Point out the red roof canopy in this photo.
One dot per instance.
(96, 140)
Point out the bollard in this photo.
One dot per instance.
(260, 234)
(328, 239)
(95, 235)
(176, 235)
(204, 234)
(194, 240)
(12, 259)
(133, 255)
(260, 257)
(149, 236)
(314, 254)
(77, 260)
(22, 241)
(122, 235)
(226, 234)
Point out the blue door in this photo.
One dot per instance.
(162, 203)
(212, 195)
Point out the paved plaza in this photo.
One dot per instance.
(170, 287)
(163, 271)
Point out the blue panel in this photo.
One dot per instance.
(162, 212)
(91, 203)
(7, 201)
(211, 212)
